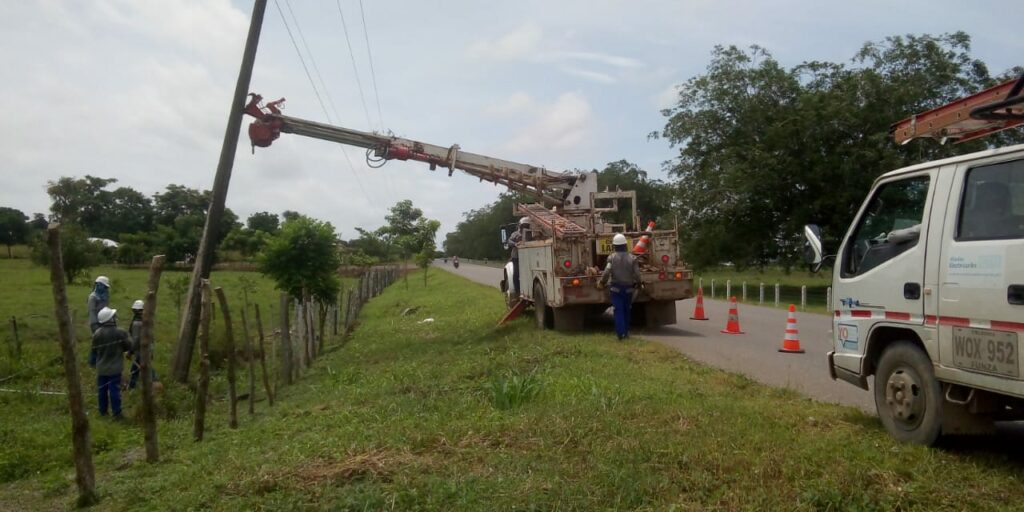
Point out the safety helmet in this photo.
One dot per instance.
(138, 305)
(104, 280)
(525, 221)
(105, 315)
(619, 239)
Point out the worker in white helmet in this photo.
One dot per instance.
(135, 330)
(109, 344)
(98, 299)
(513, 244)
(624, 273)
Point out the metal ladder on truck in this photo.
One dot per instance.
(992, 110)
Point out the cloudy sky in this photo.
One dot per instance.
(139, 90)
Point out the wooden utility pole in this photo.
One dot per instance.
(207, 246)
(146, 359)
(85, 476)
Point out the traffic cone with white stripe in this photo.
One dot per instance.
(698, 310)
(733, 325)
(791, 342)
(641, 246)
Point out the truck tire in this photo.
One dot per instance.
(541, 311)
(907, 396)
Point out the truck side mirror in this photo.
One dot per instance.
(504, 236)
(813, 254)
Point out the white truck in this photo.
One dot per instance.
(928, 282)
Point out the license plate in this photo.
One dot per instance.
(986, 351)
(604, 245)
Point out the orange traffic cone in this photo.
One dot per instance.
(733, 325)
(698, 310)
(641, 246)
(791, 342)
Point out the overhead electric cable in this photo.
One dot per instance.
(373, 73)
(355, 69)
(320, 100)
(312, 60)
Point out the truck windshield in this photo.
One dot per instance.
(889, 226)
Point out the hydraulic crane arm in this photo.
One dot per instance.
(552, 188)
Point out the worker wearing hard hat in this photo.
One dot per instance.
(98, 299)
(109, 343)
(513, 243)
(624, 273)
(135, 330)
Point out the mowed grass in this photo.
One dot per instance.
(439, 409)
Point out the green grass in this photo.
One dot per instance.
(790, 284)
(415, 415)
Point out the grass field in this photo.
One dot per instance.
(456, 414)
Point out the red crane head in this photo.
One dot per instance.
(267, 126)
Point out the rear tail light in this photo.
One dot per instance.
(567, 264)
(679, 276)
(664, 258)
(576, 281)
(661, 276)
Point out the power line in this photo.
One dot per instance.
(319, 99)
(355, 69)
(312, 60)
(373, 74)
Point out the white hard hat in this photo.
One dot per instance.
(105, 315)
(137, 305)
(104, 280)
(525, 221)
(619, 239)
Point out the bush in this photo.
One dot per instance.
(512, 391)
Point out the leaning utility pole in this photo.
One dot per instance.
(204, 259)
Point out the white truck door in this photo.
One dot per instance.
(981, 285)
(880, 272)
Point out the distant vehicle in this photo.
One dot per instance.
(928, 284)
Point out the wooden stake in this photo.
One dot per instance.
(146, 359)
(263, 358)
(203, 386)
(16, 348)
(249, 358)
(286, 343)
(81, 441)
(229, 342)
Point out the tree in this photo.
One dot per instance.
(424, 258)
(303, 256)
(478, 235)
(79, 200)
(263, 221)
(38, 222)
(13, 228)
(78, 253)
(180, 215)
(764, 149)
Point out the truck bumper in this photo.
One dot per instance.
(845, 375)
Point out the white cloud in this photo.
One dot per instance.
(520, 43)
(565, 124)
(516, 104)
(593, 76)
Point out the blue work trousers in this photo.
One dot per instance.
(135, 377)
(622, 298)
(109, 387)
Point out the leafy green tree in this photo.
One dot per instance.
(304, 256)
(79, 200)
(77, 252)
(263, 221)
(764, 149)
(179, 217)
(247, 241)
(128, 211)
(478, 235)
(424, 258)
(38, 222)
(13, 228)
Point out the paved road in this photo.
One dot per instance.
(754, 354)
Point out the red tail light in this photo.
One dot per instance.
(664, 258)
(567, 264)
(679, 276)
(576, 282)
(661, 276)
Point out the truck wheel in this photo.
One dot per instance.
(907, 396)
(541, 311)
(506, 291)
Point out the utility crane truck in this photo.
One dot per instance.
(568, 241)
(928, 284)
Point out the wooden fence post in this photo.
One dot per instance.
(229, 338)
(146, 359)
(81, 441)
(16, 347)
(263, 358)
(286, 342)
(203, 386)
(249, 358)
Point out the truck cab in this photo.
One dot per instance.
(928, 295)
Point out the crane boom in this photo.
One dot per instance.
(994, 109)
(550, 187)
